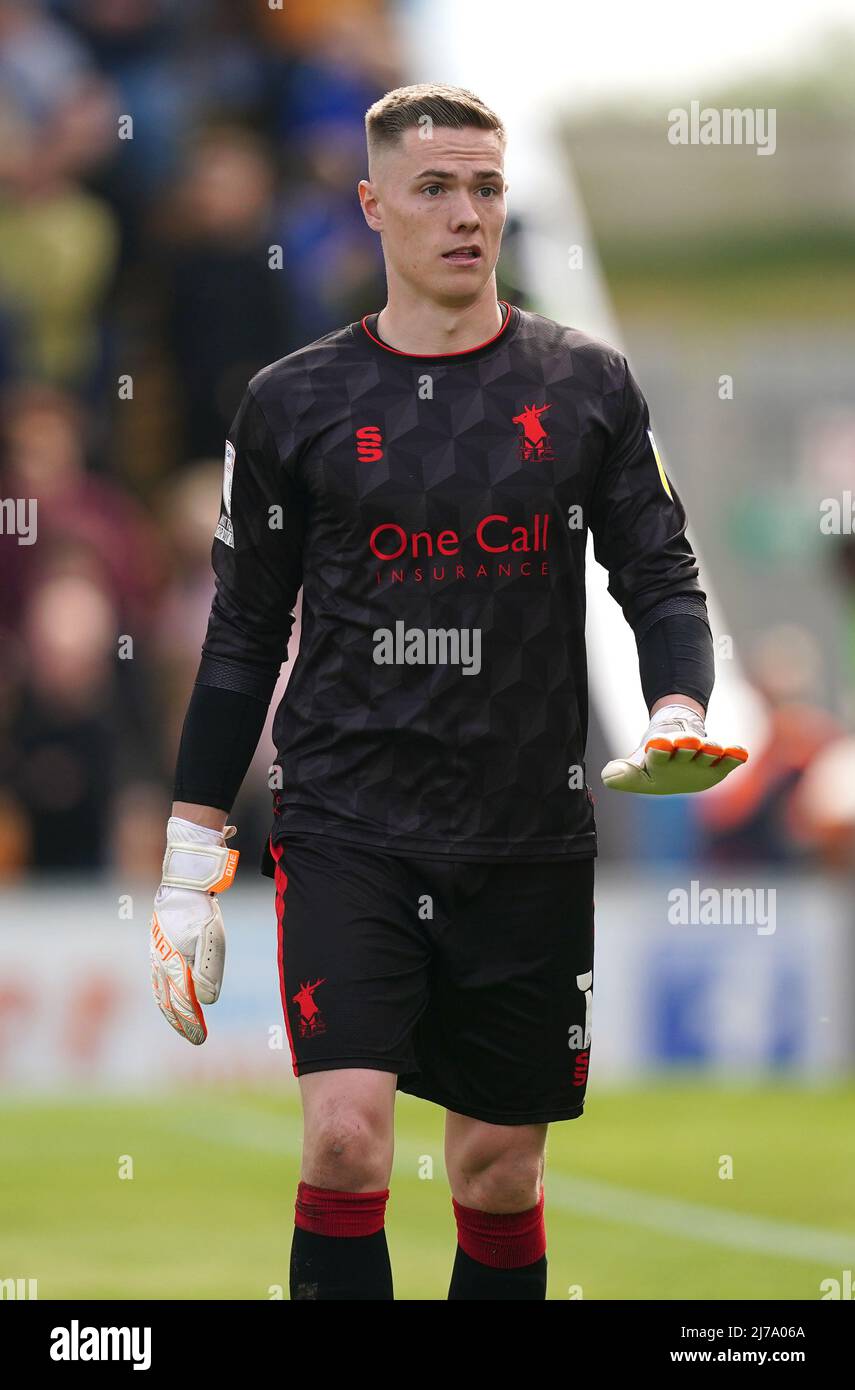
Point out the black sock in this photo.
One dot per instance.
(471, 1279)
(340, 1267)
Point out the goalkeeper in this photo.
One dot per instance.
(421, 475)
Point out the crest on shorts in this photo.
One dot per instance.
(311, 1019)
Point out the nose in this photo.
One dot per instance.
(464, 214)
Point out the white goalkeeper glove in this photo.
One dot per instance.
(674, 756)
(188, 939)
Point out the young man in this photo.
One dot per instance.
(429, 476)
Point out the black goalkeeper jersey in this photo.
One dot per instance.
(435, 510)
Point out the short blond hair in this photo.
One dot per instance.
(405, 109)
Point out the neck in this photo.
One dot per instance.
(411, 323)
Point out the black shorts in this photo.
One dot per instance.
(472, 981)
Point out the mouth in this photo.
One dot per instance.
(463, 255)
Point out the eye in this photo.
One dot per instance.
(432, 187)
(489, 188)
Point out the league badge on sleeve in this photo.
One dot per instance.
(225, 531)
(662, 478)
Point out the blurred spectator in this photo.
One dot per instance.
(344, 57)
(759, 815)
(188, 507)
(44, 74)
(334, 258)
(57, 242)
(78, 515)
(227, 309)
(72, 737)
(825, 805)
(170, 65)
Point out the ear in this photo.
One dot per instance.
(370, 204)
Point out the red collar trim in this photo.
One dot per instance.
(464, 353)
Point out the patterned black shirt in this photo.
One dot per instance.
(435, 510)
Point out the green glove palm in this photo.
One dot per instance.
(674, 757)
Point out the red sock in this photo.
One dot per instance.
(503, 1240)
(329, 1213)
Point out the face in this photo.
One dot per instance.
(439, 206)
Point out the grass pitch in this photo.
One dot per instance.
(636, 1207)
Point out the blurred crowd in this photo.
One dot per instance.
(177, 209)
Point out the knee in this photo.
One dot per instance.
(347, 1147)
(507, 1179)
